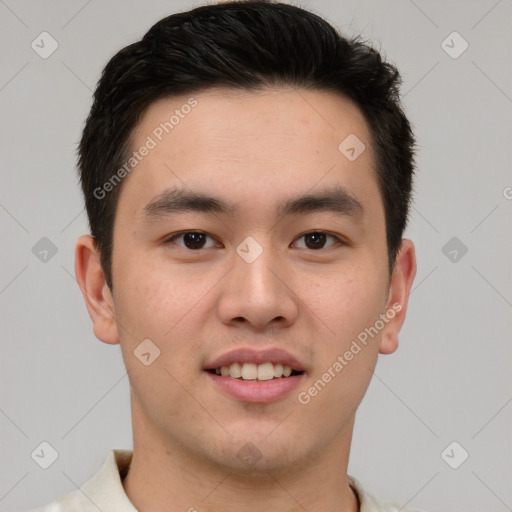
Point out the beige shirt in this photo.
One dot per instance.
(105, 492)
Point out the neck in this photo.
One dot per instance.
(165, 476)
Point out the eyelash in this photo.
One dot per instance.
(338, 239)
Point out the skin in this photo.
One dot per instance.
(254, 149)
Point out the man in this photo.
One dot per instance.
(247, 174)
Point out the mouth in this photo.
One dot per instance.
(255, 372)
(256, 376)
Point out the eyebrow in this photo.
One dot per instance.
(176, 200)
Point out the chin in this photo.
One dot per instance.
(256, 453)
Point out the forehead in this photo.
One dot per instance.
(250, 145)
(220, 115)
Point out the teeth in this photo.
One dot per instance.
(251, 371)
(235, 370)
(265, 371)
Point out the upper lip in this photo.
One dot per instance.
(250, 355)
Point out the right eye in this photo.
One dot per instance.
(193, 240)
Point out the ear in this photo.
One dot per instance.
(97, 296)
(399, 290)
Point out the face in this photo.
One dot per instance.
(245, 236)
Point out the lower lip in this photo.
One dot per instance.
(256, 391)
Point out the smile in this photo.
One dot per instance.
(255, 372)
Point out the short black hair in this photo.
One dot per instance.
(248, 45)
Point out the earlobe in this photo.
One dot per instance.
(96, 293)
(402, 278)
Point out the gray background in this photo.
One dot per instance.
(450, 379)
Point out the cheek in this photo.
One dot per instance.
(347, 302)
(164, 304)
(150, 297)
(152, 306)
(348, 305)
(345, 358)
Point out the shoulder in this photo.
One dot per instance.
(104, 491)
(368, 502)
(74, 501)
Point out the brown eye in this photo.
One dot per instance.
(193, 240)
(316, 240)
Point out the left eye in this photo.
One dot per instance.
(317, 240)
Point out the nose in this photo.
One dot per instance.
(258, 293)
